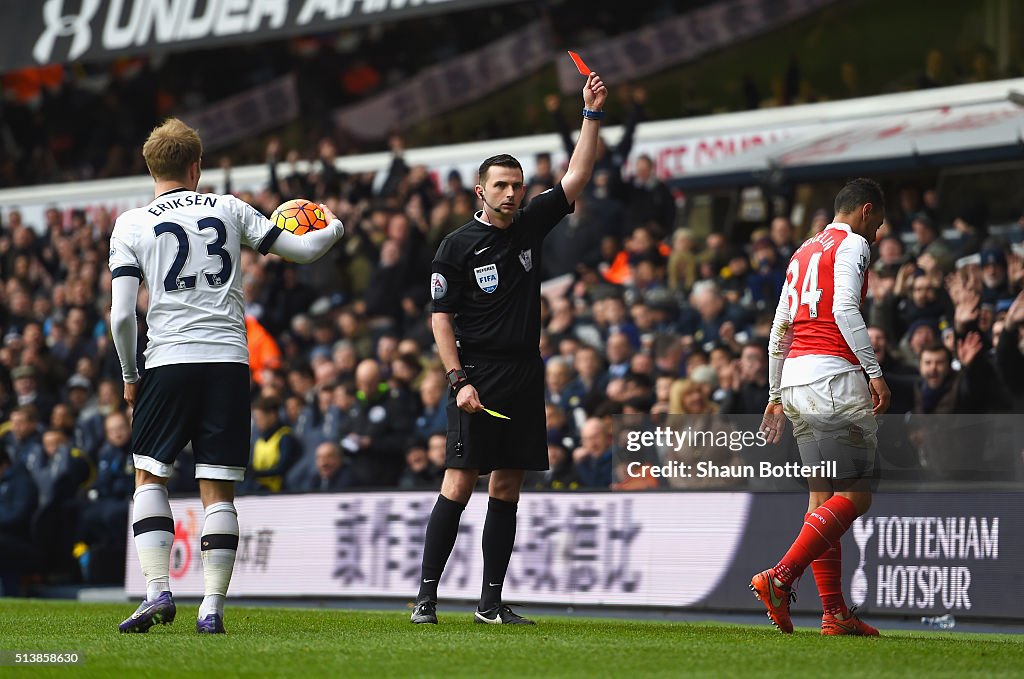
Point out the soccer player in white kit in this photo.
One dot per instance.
(195, 387)
(819, 352)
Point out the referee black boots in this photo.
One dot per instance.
(424, 613)
(500, 615)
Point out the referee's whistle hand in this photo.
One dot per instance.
(468, 400)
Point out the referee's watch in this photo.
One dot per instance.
(457, 379)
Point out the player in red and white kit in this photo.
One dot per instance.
(819, 352)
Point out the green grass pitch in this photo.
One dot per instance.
(291, 642)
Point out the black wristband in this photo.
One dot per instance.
(457, 387)
(455, 376)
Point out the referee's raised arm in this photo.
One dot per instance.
(581, 164)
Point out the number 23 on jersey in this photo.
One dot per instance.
(173, 280)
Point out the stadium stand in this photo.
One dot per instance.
(658, 318)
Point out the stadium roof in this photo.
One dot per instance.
(872, 135)
(935, 135)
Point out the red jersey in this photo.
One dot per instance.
(810, 287)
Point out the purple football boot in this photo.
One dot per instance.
(211, 624)
(159, 611)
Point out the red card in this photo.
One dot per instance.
(584, 69)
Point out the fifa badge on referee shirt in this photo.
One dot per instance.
(487, 277)
(526, 259)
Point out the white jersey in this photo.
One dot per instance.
(186, 247)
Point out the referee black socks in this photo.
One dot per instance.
(442, 529)
(498, 539)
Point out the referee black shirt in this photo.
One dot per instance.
(489, 279)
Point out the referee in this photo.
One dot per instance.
(486, 320)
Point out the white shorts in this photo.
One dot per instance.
(833, 422)
(834, 407)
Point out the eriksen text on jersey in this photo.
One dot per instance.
(186, 246)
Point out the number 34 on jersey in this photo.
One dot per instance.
(810, 277)
(806, 292)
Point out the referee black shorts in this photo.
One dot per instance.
(206, 404)
(485, 443)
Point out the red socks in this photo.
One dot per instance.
(828, 576)
(821, 533)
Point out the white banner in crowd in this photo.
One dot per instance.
(682, 156)
(247, 113)
(674, 156)
(451, 84)
(574, 548)
(732, 143)
(682, 38)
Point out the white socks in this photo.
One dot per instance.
(154, 533)
(218, 546)
(153, 526)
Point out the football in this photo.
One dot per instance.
(298, 216)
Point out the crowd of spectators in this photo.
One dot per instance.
(348, 391)
(86, 121)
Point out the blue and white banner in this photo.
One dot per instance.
(913, 554)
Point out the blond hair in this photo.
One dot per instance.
(171, 149)
(680, 390)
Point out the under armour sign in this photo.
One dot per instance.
(57, 31)
(487, 277)
(60, 24)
